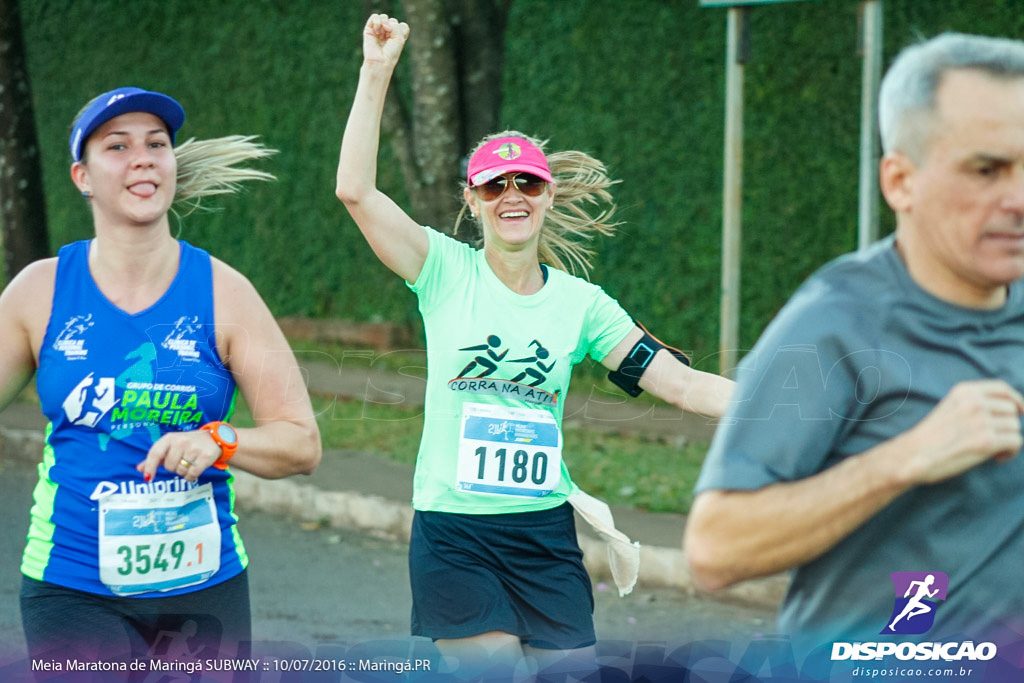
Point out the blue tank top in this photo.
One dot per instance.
(111, 383)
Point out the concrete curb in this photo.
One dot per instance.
(340, 509)
(659, 567)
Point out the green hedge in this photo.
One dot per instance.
(638, 83)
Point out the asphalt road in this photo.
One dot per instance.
(315, 590)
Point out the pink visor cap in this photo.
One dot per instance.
(507, 155)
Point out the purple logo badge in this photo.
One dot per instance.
(917, 596)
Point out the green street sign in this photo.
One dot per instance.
(745, 3)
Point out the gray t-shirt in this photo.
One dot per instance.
(860, 354)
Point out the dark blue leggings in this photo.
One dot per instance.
(62, 623)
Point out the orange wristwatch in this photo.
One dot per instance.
(227, 438)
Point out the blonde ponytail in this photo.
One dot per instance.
(210, 167)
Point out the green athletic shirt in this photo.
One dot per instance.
(498, 366)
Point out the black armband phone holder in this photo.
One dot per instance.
(632, 368)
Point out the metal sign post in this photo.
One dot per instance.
(737, 53)
(871, 52)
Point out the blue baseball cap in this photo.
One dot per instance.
(123, 101)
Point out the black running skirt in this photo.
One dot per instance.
(521, 573)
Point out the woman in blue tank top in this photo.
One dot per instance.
(140, 344)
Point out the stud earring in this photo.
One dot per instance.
(87, 194)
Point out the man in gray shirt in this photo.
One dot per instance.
(874, 440)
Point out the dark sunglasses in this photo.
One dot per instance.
(527, 183)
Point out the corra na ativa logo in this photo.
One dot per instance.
(917, 598)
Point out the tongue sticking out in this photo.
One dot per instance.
(143, 189)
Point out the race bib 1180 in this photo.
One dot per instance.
(509, 451)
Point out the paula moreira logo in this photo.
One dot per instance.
(917, 597)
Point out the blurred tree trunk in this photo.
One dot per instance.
(455, 59)
(22, 201)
